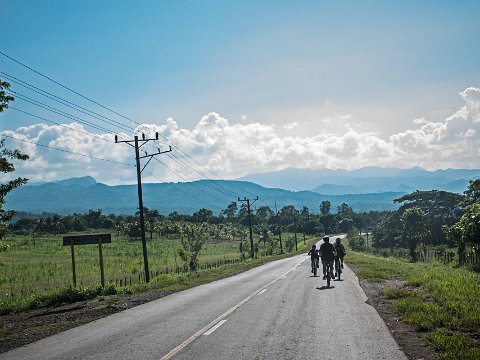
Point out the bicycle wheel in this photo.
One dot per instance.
(328, 279)
(314, 267)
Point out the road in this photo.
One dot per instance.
(276, 311)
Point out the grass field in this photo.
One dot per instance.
(440, 300)
(31, 276)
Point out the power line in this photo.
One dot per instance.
(66, 87)
(184, 155)
(67, 151)
(182, 191)
(64, 114)
(62, 100)
(88, 113)
(193, 182)
(62, 125)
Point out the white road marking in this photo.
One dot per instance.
(215, 327)
(261, 292)
(223, 316)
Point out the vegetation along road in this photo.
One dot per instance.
(277, 310)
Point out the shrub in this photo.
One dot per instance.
(357, 243)
(4, 246)
(290, 243)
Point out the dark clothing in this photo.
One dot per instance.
(340, 249)
(313, 254)
(327, 252)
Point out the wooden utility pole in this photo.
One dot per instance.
(139, 188)
(252, 252)
(279, 229)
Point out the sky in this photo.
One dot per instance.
(239, 87)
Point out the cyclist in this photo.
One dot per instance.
(339, 253)
(327, 253)
(314, 258)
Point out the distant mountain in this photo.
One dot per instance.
(366, 180)
(81, 194)
(80, 181)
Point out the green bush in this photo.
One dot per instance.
(4, 246)
(290, 243)
(357, 243)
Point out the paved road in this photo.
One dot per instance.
(276, 311)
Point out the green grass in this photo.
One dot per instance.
(38, 276)
(438, 299)
(452, 346)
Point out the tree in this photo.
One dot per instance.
(440, 208)
(94, 219)
(466, 231)
(345, 217)
(202, 216)
(325, 207)
(231, 211)
(413, 229)
(4, 98)
(326, 219)
(6, 166)
(264, 214)
(192, 241)
(472, 194)
(387, 231)
(151, 216)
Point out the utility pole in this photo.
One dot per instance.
(252, 252)
(139, 187)
(279, 224)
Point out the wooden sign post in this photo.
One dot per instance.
(84, 240)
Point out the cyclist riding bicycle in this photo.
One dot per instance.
(340, 250)
(314, 256)
(327, 253)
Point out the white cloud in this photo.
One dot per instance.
(291, 126)
(233, 150)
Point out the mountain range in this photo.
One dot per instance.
(366, 180)
(82, 194)
(363, 190)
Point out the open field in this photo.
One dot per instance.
(47, 265)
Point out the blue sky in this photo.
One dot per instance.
(310, 77)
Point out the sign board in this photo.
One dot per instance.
(86, 239)
(83, 240)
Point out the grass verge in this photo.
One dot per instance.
(439, 300)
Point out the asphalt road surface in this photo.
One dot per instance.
(276, 311)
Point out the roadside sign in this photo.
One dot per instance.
(84, 240)
(87, 239)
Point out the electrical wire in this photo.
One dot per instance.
(66, 151)
(184, 155)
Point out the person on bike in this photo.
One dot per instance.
(314, 256)
(340, 251)
(327, 254)
(339, 254)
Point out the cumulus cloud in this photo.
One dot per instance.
(233, 150)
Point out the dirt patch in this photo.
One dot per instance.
(23, 328)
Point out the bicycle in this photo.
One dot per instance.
(314, 266)
(338, 267)
(329, 270)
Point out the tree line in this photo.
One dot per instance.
(424, 219)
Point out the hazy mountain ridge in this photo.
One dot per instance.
(366, 180)
(364, 189)
(81, 194)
